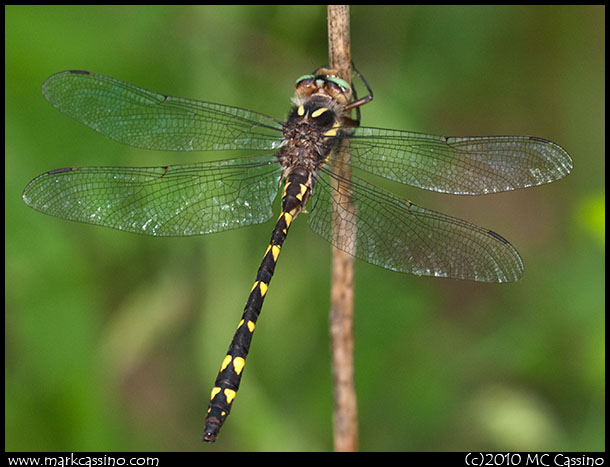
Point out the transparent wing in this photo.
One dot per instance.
(469, 165)
(178, 200)
(388, 231)
(146, 119)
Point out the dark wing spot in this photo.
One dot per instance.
(66, 169)
(498, 236)
(542, 140)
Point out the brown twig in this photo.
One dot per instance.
(345, 420)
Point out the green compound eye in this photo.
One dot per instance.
(304, 77)
(331, 79)
(339, 82)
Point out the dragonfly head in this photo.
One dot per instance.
(323, 82)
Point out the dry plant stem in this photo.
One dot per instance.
(342, 282)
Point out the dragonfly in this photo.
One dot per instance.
(311, 156)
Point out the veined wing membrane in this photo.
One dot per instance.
(458, 165)
(178, 200)
(146, 119)
(388, 231)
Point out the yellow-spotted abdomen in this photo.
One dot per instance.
(296, 192)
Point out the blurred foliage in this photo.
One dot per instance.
(113, 340)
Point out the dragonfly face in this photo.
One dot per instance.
(195, 199)
(324, 82)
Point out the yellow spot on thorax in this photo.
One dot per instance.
(301, 110)
(333, 130)
(316, 113)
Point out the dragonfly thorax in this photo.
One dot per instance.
(308, 134)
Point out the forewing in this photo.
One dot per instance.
(458, 165)
(146, 119)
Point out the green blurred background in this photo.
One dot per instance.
(113, 340)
